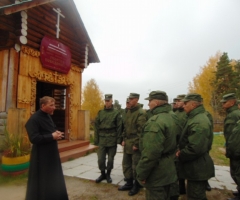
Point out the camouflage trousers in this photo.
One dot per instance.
(159, 193)
(102, 152)
(235, 171)
(174, 187)
(129, 164)
(196, 190)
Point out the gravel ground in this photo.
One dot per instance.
(79, 189)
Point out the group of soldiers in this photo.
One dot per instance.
(165, 146)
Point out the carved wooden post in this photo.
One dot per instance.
(83, 125)
(16, 120)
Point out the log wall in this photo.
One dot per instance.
(3, 77)
(29, 27)
(21, 34)
(8, 75)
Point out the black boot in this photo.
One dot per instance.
(134, 189)
(182, 188)
(127, 186)
(235, 193)
(174, 198)
(108, 177)
(208, 187)
(101, 177)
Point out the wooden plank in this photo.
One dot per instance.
(75, 106)
(3, 77)
(16, 121)
(35, 34)
(33, 44)
(8, 20)
(47, 16)
(84, 125)
(24, 92)
(25, 6)
(5, 35)
(39, 26)
(6, 27)
(12, 80)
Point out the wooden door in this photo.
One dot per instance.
(59, 93)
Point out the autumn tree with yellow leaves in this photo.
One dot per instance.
(92, 99)
(203, 83)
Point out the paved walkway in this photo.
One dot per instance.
(87, 168)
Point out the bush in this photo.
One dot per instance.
(15, 144)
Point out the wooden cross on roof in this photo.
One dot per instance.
(59, 14)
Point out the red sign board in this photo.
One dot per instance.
(55, 55)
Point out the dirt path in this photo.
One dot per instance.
(79, 189)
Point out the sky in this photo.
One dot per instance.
(147, 45)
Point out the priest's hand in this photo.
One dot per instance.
(58, 135)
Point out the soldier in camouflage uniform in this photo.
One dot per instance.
(124, 111)
(108, 133)
(195, 164)
(174, 187)
(208, 114)
(156, 169)
(233, 152)
(174, 105)
(229, 103)
(133, 125)
(182, 116)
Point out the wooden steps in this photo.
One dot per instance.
(74, 149)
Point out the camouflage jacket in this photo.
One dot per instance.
(158, 144)
(233, 115)
(108, 128)
(195, 143)
(133, 126)
(182, 116)
(232, 144)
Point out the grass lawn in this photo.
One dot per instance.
(218, 151)
(8, 180)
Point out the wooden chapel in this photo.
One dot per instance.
(44, 48)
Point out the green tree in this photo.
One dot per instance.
(92, 99)
(225, 82)
(116, 105)
(236, 68)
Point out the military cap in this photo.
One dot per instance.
(160, 95)
(192, 97)
(179, 97)
(133, 95)
(127, 100)
(227, 97)
(108, 96)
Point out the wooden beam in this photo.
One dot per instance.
(25, 6)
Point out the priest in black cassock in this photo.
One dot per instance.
(45, 178)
